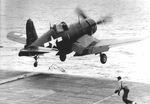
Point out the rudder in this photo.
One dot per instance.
(30, 33)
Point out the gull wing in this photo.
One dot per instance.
(17, 37)
(90, 45)
(116, 42)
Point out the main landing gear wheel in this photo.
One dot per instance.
(35, 63)
(62, 57)
(103, 58)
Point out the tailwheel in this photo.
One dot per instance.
(35, 64)
(103, 58)
(62, 57)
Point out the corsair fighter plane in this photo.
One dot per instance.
(77, 37)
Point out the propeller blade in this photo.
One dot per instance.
(104, 20)
(81, 13)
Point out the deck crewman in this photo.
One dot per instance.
(123, 86)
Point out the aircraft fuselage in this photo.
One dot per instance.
(75, 31)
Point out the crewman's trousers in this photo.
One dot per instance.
(125, 96)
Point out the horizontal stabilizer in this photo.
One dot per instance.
(17, 37)
(32, 51)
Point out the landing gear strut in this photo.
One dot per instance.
(36, 62)
(103, 58)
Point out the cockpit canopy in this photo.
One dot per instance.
(61, 27)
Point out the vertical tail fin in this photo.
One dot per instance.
(30, 33)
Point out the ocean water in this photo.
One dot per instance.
(131, 19)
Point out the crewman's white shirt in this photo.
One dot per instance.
(121, 84)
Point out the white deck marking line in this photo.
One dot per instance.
(19, 77)
(104, 99)
(108, 97)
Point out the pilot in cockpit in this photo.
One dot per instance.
(61, 27)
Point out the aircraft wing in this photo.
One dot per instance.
(116, 42)
(90, 45)
(17, 37)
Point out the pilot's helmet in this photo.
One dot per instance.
(64, 26)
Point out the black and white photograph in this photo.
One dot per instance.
(74, 52)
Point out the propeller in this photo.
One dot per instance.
(80, 13)
(103, 20)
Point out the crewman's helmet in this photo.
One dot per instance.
(119, 77)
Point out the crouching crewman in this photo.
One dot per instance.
(123, 86)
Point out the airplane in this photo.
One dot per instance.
(76, 37)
